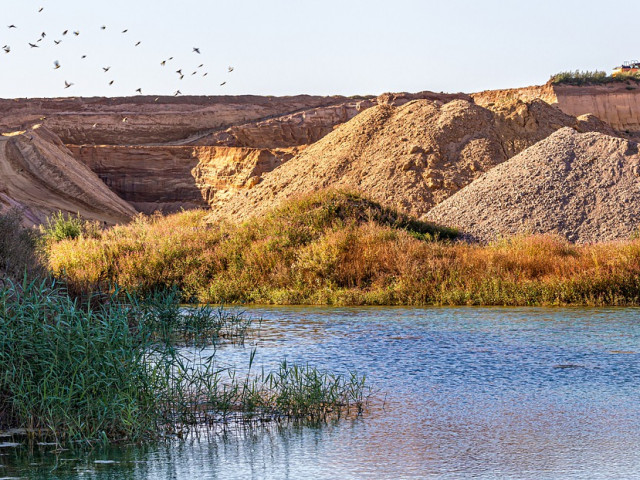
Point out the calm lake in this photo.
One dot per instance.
(457, 393)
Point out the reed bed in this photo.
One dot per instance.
(113, 372)
(339, 248)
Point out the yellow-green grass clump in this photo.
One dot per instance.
(340, 248)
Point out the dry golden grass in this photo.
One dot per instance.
(338, 248)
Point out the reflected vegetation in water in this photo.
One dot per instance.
(459, 393)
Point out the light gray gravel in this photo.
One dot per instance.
(582, 186)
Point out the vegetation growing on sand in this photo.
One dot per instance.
(579, 77)
(339, 248)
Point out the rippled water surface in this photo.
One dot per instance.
(459, 393)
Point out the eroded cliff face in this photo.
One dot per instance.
(150, 120)
(171, 178)
(40, 176)
(617, 104)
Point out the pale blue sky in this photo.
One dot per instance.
(283, 47)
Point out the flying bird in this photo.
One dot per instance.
(179, 72)
(178, 92)
(57, 42)
(138, 44)
(124, 119)
(170, 58)
(205, 74)
(103, 27)
(33, 45)
(6, 48)
(43, 34)
(94, 125)
(41, 9)
(111, 82)
(201, 65)
(65, 32)
(223, 83)
(67, 84)
(106, 69)
(76, 33)
(39, 40)
(230, 69)
(83, 57)
(196, 49)
(12, 26)
(194, 73)
(181, 77)
(163, 63)
(139, 90)
(125, 30)
(56, 65)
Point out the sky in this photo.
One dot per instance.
(320, 47)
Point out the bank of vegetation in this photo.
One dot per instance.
(120, 367)
(579, 77)
(342, 249)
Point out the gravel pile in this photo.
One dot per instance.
(582, 186)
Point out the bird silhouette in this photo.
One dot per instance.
(205, 74)
(170, 58)
(83, 57)
(230, 69)
(43, 34)
(139, 90)
(179, 72)
(56, 65)
(103, 27)
(111, 82)
(201, 65)
(181, 77)
(76, 33)
(67, 84)
(41, 9)
(223, 83)
(57, 42)
(6, 48)
(106, 69)
(125, 30)
(33, 45)
(138, 44)
(65, 32)
(194, 73)
(163, 63)
(196, 50)
(178, 92)
(39, 40)
(12, 26)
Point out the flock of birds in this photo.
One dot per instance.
(164, 63)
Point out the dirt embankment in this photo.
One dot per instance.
(584, 187)
(413, 156)
(171, 178)
(150, 120)
(40, 176)
(616, 103)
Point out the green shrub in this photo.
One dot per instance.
(63, 227)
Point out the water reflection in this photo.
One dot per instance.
(460, 393)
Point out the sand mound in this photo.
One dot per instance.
(584, 187)
(39, 176)
(410, 157)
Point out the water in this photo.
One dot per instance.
(459, 393)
